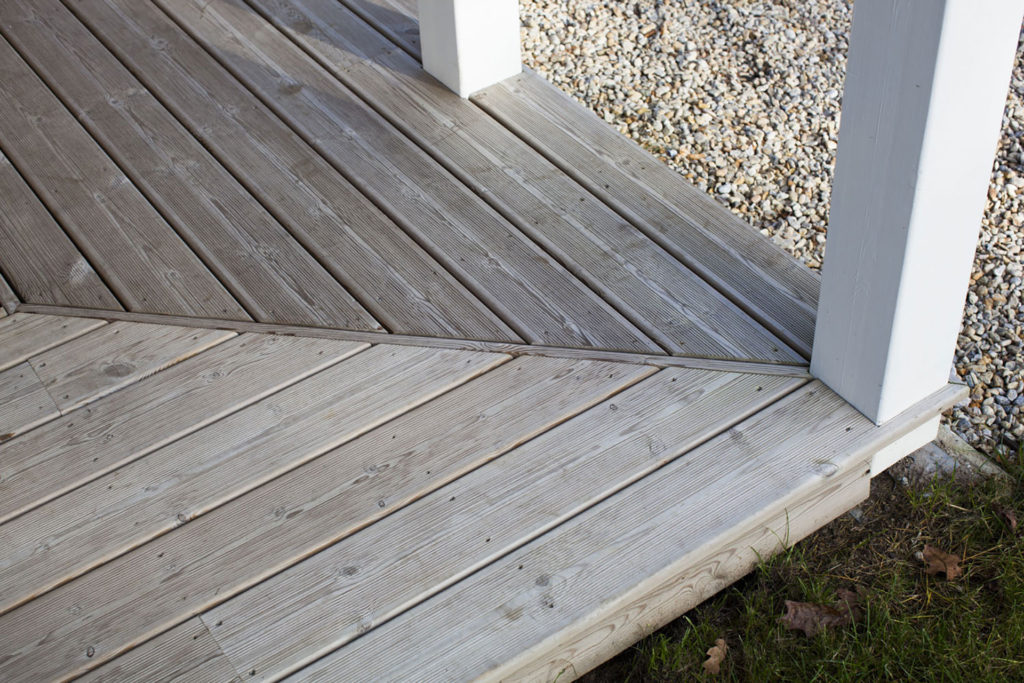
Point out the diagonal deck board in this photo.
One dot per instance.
(664, 298)
(38, 257)
(139, 419)
(210, 559)
(116, 355)
(543, 301)
(245, 247)
(153, 495)
(547, 591)
(139, 255)
(763, 279)
(23, 336)
(24, 401)
(184, 654)
(312, 608)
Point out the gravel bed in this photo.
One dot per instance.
(742, 97)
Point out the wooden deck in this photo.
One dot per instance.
(310, 368)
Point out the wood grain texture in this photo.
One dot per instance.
(185, 654)
(24, 335)
(546, 594)
(797, 370)
(762, 279)
(158, 410)
(176, 484)
(139, 255)
(514, 276)
(24, 402)
(313, 608)
(660, 295)
(138, 595)
(256, 258)
(8, 299)
(114, 356)
(38, 257)
(392, 276)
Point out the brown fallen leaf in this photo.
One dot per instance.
(941, 561)
(812, 618)
(1008, 516)
(716, 654)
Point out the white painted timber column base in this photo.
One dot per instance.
(470, 44)
(926, 84)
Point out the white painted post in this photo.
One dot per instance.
(470, 44)
(926, 84)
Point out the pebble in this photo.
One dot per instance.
(743, 99)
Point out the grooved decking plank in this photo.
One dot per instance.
(544, 595)
(38, 257)
(778, 291)
(142, 259)
(114, 356)
(313, 608)
(165, 582)
(158, 410)
(24, 402)
(147, 498)
(775, 288)
(514, 276)
(665, 299)
(24, 335)
(392, 276)
(185, 654)
(256, 258)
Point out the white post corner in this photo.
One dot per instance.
(470, 44)
(926, 84)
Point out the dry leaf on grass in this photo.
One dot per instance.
(716, 655)
(1008, 516)
(812, 618)
(940, 561)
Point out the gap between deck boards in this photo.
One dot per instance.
(778, 369)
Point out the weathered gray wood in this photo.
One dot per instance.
(660, 295)
(185, 654)
(394, 277)
(562, 592)
(140, 501)
(144, 416)
(514, 276)
(138, 595)
(24, 402)
(141, 258)
(38, 257)
(265, 268)
(759, 277)
(24, 335)
(312, 608)
(90, 367)
(797, 370)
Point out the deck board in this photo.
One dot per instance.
(538, 297)
(38, 257)
(168, 580)
(114, 431)
(24, 401)
(659, 294)
(262, 265)
(139, 255)
(312, 608)
(130, 506)
(23, 336)
(390, 274)
(116, 355)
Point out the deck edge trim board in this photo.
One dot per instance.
(797, 370)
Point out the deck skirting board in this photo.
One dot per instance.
(797, 370)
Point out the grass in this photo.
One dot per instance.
(914, 626)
